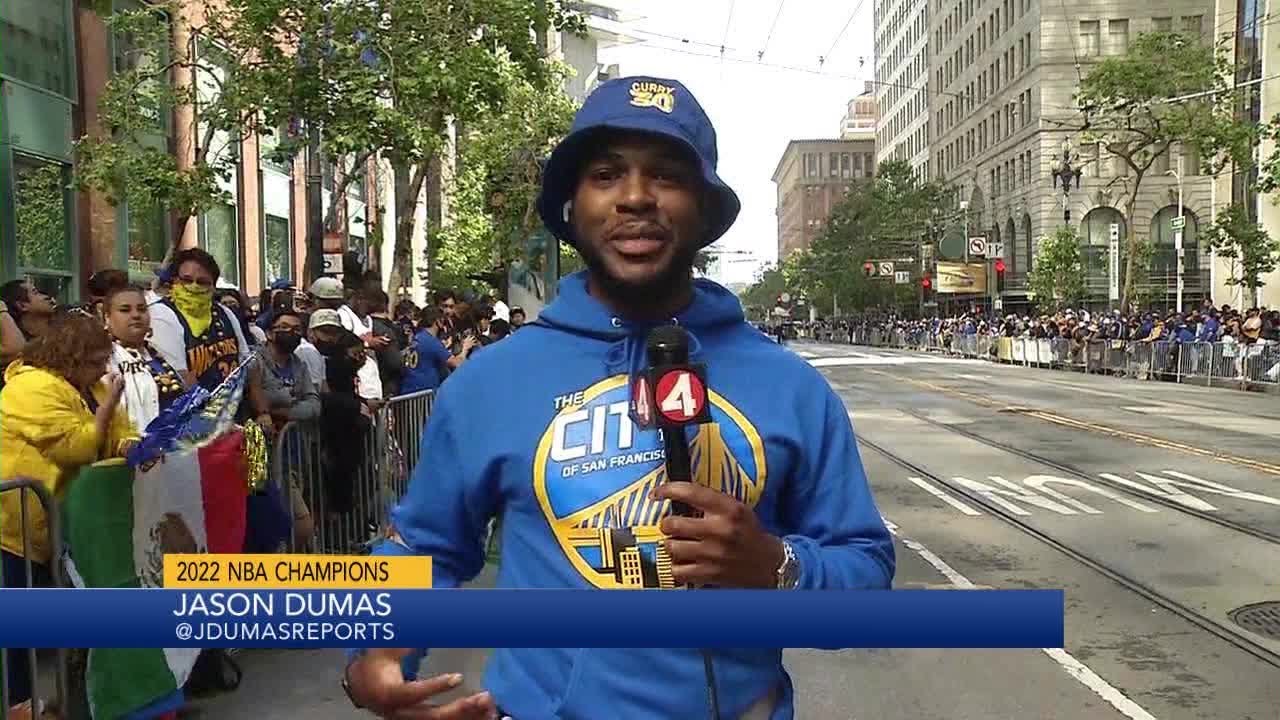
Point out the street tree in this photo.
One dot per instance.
(493, 210)
(384, 80)
(888, 216)
(124, 155)
(1057, 276)
(1168, 92)
(1252, 252)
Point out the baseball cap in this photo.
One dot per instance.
(645, 104)
(326, 288)
(325, 318)
(282, 284)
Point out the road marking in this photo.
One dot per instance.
(943, 496)
(1007, 489)
(1172, 489)
(1041, 483)
(821, 362)
(1057, 419)
(1213, 487)
(1073, 667)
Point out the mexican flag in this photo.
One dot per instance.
(121, 517)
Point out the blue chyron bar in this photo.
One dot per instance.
(153, 618)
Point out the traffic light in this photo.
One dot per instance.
(926, 287)
(869, 269)
(999, 275)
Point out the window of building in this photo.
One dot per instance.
(1090, 41)
(1117, 37)
(1192, 25)
(846, 165)
(810, 165)
(218, 226)
(277, 249)
(833, 164)
(36, 48)
(222, 240)
(41, 206)
(1162, 24)
(148, 237)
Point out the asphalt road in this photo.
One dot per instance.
(1155, 506)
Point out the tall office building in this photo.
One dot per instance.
(902, 81)
(1003, 74)
(1249, 34)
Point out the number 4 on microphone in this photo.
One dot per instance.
(680, 395)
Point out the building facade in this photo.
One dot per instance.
(811, 177)
(1004, 73)
(56, 60)
(902, 61)
(1246, 30)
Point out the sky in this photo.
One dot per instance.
(756, 109)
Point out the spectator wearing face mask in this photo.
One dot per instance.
(280, 387)
(199, 337)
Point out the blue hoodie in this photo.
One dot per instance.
(570, 476)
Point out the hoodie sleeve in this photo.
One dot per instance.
(446, 511)
(830, 516)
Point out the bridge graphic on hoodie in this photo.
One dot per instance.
(615, 541)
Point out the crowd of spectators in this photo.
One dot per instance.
(81, 384)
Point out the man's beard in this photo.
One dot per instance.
(669, 281)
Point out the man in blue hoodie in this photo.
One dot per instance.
(580, 488)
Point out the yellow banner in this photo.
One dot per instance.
(956, 278)
(297, 572)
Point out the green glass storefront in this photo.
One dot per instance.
(37, 95)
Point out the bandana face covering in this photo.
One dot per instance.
(196, 305)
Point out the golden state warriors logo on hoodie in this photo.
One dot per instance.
(594, 469)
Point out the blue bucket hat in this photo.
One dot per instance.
(642, 104)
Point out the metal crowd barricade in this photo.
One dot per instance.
(61, 669)
(348, 510)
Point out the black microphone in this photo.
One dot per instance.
(668, 350)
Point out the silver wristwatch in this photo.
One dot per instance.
(789, 571)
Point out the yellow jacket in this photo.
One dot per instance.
(47, 434)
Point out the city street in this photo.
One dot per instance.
(1155, 506)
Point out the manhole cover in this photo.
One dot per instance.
(1261, 618)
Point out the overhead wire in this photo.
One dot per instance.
(773, 26)
(822, 59)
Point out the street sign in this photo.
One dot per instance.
(886, 269)
(332, 263)
(901, 277)
(996, 249)
(998, 303)
(977, 246)
(1179, 223)
(1114, 257)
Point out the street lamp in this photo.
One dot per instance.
(1177, 229)
(1064, 173)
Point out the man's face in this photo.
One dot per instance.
(637, 215)
(194, 274)
(38, 303)
(448, 306)
(517, 319)
(325, 333)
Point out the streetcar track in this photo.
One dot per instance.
(1065, 421)
(1220, 630)
(1216, 519)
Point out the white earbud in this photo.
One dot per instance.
(568, 209)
